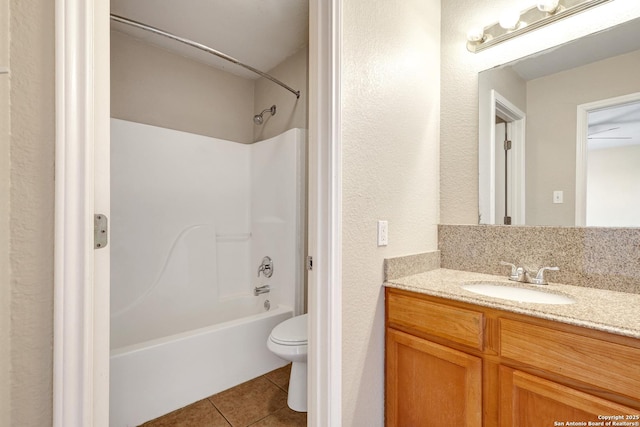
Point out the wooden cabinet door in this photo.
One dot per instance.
(428, 384)
(530, 401)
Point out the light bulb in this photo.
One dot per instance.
(509, 19)
(475, 34)
(549, 6)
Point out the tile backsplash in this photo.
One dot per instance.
(605, 258)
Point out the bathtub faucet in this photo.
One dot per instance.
(266, 267)
(264, 289)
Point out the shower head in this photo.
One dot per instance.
(259, 119)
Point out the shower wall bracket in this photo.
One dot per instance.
(100, 231)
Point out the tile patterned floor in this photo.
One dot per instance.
(261, 402)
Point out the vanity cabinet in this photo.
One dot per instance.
(530, 401)
(458, 364)
(450, 380)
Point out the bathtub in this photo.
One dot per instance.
(184, 321)
(153, 377)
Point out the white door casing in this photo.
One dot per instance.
(500, 106)
(81, 279)
(325, 216)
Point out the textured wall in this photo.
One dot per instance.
(5, 173)
(459, 109)
(390, 113)
(153, 86)
(32, 205)
(291, 112)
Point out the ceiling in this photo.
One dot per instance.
(259, 33)
(614, 126)
(609, 127)
(616, 41)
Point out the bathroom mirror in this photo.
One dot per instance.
(571, 116)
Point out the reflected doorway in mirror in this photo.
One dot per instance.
(501, 172)
(607, 159)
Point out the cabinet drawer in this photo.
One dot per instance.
(606, 365)
(455, 324)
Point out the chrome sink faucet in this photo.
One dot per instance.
(517, 273)
(523, 275)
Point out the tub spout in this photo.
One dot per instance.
(264, 289)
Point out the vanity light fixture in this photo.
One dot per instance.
(476, 35)
(513, 23)
(549, 6)
(509, 19)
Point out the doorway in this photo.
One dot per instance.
(81, 312)
(607, 158)
(502, 148)
(504, 171)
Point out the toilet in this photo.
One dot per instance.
(288, 340)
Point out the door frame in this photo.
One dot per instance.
(501, 106)
(325, 215)
(81, 278)
(582, 133)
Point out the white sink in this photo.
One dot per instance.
(513, 293)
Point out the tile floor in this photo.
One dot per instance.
(261, 402)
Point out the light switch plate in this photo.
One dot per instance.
(383, 233)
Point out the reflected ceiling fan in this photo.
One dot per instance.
(590, 136)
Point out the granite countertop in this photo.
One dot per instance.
(609, 311)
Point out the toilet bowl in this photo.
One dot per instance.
(288, 340)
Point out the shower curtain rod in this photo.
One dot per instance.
(200, 46)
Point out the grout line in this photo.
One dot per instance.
(257, 421)
(219, 411)
(286, 390)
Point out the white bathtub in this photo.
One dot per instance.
(154, 377)
(191, 219)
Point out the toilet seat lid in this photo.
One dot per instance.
(291, 332)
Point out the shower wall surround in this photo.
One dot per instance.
(211, 207)
(604, 258)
